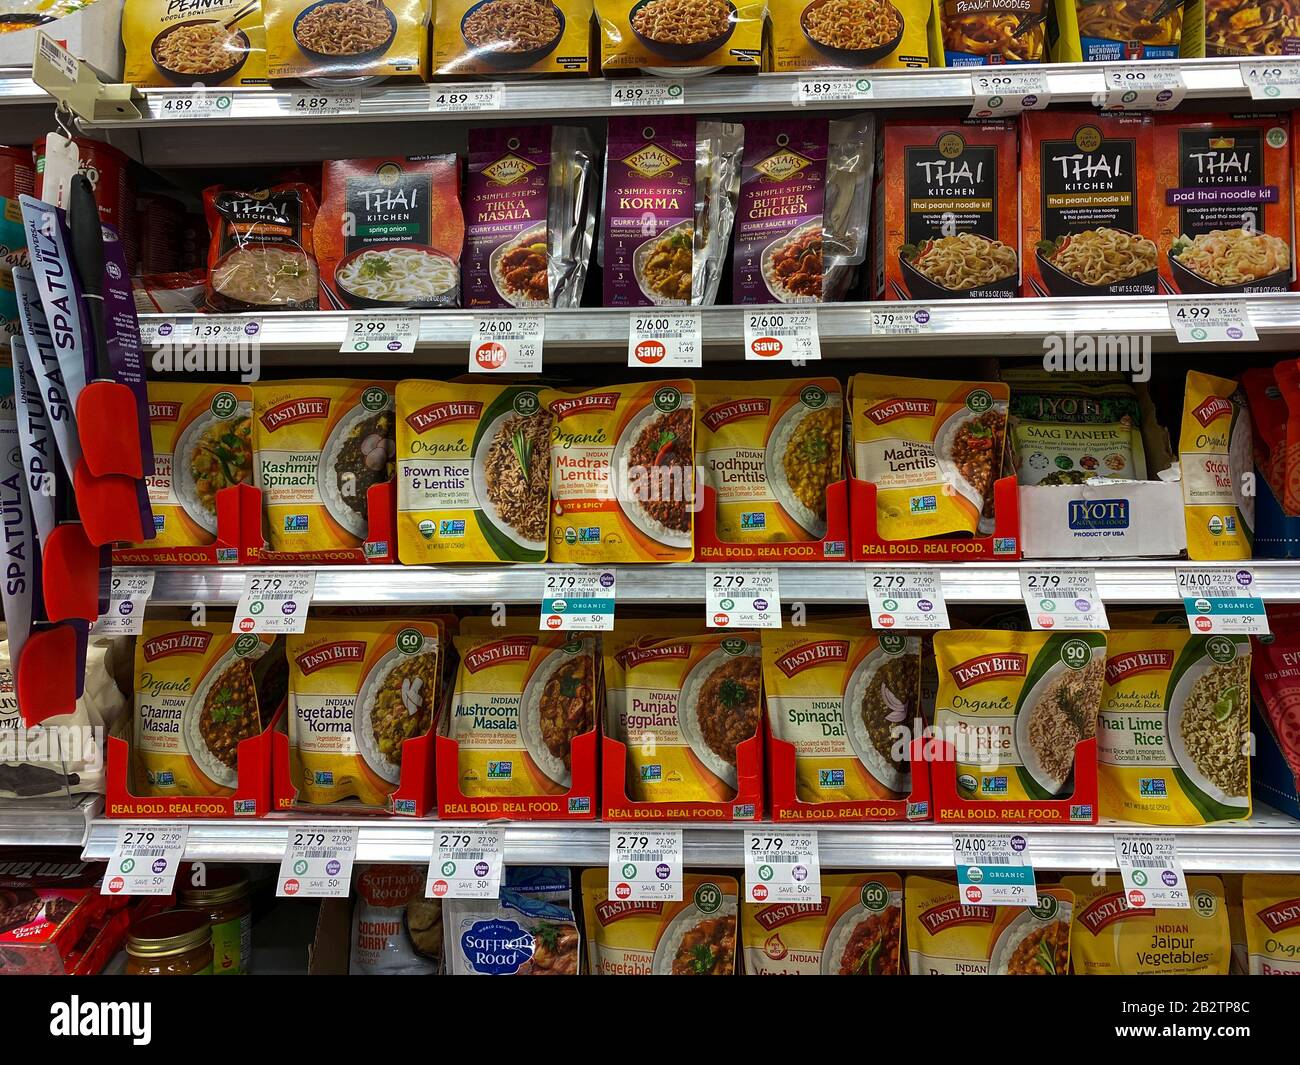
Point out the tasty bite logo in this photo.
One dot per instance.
(1281, 916)
(163, 411)
(186, 642)
(290, 411)
(1105, 910)
(562, 408)
(952, 914)
(987, 667)
(631, 657)
(1210, 408)
(341, 652)
(807, 655)
(436, 414)
(611, 910)
(724, 413)
(511, 649)
(771, 917)
(1133, 662)
(890, 409)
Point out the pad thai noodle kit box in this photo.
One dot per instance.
(1088, 207)
(519, 736)
(217, 43)
(323, 39)
(499, 37)
(673, 36)
(849, 34)
(950, 212)
(1224, 188)
(854, 929)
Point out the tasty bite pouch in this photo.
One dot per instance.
(1215, 454)
(1271, 907)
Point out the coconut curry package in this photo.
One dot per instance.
(512, 37)
(1271, 907)
(1216, 457)
(665, 36)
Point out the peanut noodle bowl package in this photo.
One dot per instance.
(681, 705)
(319, 40)
(530, 211)
(171, 43)
(933, 449)
(801, 226)
(358, 690)
(520, 701)
(1015, 705)
(1268, 421)
(695, 936)
(1112, 938)
(1111, 31)
(530, 930)
(512, 37)
(947, 937)
(1271, 906)
(996, 32)
(848, 34)
(1216, 457)
(473, 473)
(319, 447)
(769, 450)
(1173, 729)
(846, 698)
(854, 929)
(680, 37)
(262, 253)
(670, 199)
(199, 691)
(623, 473)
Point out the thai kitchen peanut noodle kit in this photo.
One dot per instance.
(323, 39)
(1216, 457)
(519, 735)
(680, 36)
(503, 37)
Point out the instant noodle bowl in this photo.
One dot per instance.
(1111, 31)
(358, 690)
(1216, 455)
(622, 473)
(1003, 31)
(1115, 936)
(948, 937)
(1271, 907)
(529, 930)
(221, 42)
(512, 37)
(261, 253)
(346, 38)
(854, 929)
(848, 34)
(695, 936)
(662, 34)
(1252, 27)
(1015, 705)
(932, 448)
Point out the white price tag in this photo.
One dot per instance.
(906, 321)
(666, 340)
(1152, 874)
(220, 329)
(1211, 321)
(53, 52)
(128, 595)
(507, 344)
(1062, 599)
(157, 332)
(647, 92)
(191, 104)
(831, 89)
(645, 864)
(470, 96)
(782, 335)
(1008, 91)
(742, 598)
(1222, 600)
(317, 864)
(1277, 79)
(145, 860)
(381, 333)
(994, 869)
(466, 863)
(782, 866)
(578, 598)
(319, 104)
(1142, 87)
(906, 599)
(275, 602)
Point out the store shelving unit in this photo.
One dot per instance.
(48, 822)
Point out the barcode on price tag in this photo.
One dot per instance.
(1142, 87)
(1062, 598)
(1277, 79)
(830, 89)
(275, 602)
(666, 340)
(191, 104)
(1008, 92)
(466, 863)
(321, 104)
(994, 869)
(145, 860)
(507, 344)
(782, 336)
(392, 333)
(742, 598)
(647, 92)
(782, 866)
(1211, 321)
(1152, 874)
(578, 598)
(1222, 600)
(128, 595)
(470, 96)
(907, 321)
(906, 598)
(317, 863)
(645, 864)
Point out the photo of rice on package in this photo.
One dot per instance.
(1216, 457)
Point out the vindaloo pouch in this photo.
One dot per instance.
(1271, 906)
(1215, 452)
(1268, 418)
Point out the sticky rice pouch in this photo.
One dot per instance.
(199, 691)
(1109, 938)
(1215, 456)
(358, 690)
(172, 44)
(319, 446)
(1268, 418)
(623, 473)
(1015, 705)
(946, 937)
(347, 38)
(1271, 907)
(769, 450)
(670, 37)
(511, 37)
(473, 473)
(846, 698)
(933, 449)
(854, 929)
(695, 936)
(520, 700)
(681, 706)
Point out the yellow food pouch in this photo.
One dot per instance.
(1271, 907)
(347, 38)
(177, 44)
(1215, 455)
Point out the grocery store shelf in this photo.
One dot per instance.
(47, 822)
(805, 582)
(1268, 842)
(26, 112)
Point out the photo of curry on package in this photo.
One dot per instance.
(676, 37)
(848, 34)
(1216, 456)
(358, 690)
(512, 37)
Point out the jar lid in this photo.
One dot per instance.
(224, 883)
(171, 932)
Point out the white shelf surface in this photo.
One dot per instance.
(47, 822)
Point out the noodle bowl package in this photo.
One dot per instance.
(261, 257)
(347, 38)
(1112, 31)
(996, 32)
(801, 225)
(193, 44)
(1087, 204)
(1271, 906)
(854, 929)
(670, 199)
(949, 210)
(390, 232)
(473, 473)
(849, 34)
(530, 209)
(1251, 27)
(1225, 207)
(358, 690)
(1173, 727)
(1112, 938)
(694, 936)
(512, 37)
(1015, 705)
(1215, 455)
(947, 937)
(674, 36)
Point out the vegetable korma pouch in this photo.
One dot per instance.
(946, 937)
(358, 690)
(1015, 705)
(1271, 906)
(845, 697)
(1109, 938)
(1215, 452)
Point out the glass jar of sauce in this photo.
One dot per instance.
(224, 900)
(173, 943)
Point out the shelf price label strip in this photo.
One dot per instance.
(392, 333)
(645, 864)
(507, 344)
(145, 860)
(665, 340)
(128, 595)
(466, 863)
(1152, 874)
(742, 598)
(782, 336)
(781, 866)
(1222, 601)
(275, 603)
(1062, 598)
(994, 869)
(1212, 321)
(578, 598)
(317, 863)
(906, 598)
(998, 93)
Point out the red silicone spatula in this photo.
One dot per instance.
(69, 561)
(46, 677)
